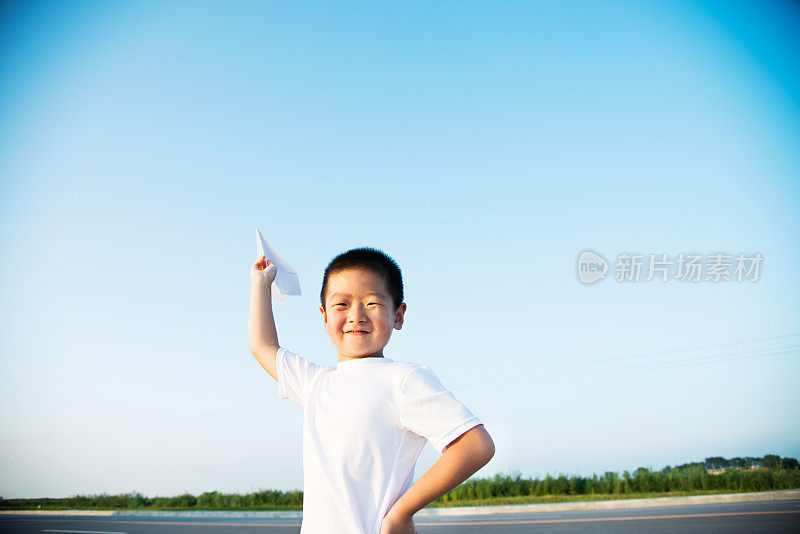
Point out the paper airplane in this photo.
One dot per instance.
(286, 281)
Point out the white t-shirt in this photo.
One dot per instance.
(365, 423)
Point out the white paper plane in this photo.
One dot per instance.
(286, 280)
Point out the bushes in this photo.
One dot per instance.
(686, 478)
(260, 500)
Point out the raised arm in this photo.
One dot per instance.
(460, 459)
(261, 324)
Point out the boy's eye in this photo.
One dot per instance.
(376, 303)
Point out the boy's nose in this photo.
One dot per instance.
(357, 313)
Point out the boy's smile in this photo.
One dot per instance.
(359, 314)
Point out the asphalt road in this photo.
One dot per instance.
(748, 518)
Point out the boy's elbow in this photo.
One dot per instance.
(483, 445)
(477, 444)
(488, 448)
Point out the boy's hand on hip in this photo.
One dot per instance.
(398, 524)
(264, 271)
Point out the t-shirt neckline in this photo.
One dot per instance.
(357, 361)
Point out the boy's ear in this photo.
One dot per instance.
(399, 315)
(324, 315)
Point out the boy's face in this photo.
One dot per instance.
(359, 314)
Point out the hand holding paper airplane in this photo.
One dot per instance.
(286, 280)
(264, 270)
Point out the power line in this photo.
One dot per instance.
(565, 376)
(503, 372)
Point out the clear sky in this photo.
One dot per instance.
(483, 145)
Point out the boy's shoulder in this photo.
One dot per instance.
(404, 367)
(413, 374)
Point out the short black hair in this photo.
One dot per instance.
(370, 259)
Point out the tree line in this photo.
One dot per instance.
(686, 478)
(770, 461)
(773, 473)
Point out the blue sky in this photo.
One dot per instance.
(483, 146)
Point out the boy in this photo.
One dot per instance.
(366, 420)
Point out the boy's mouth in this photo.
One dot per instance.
(357, 332)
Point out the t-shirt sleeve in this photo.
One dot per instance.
(295, 373)
(428, 409)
